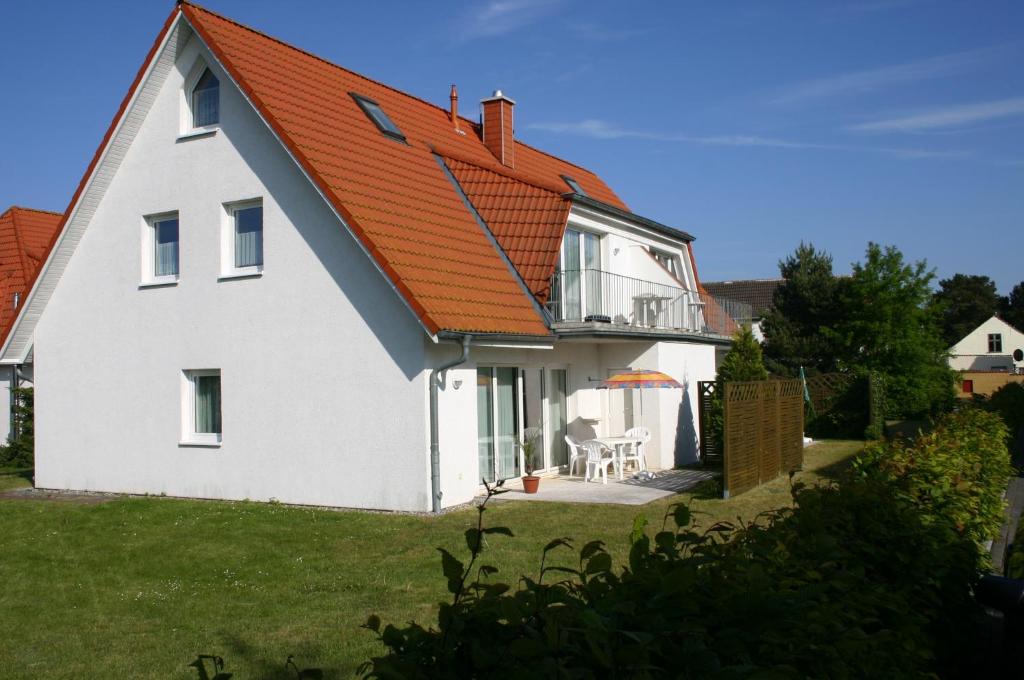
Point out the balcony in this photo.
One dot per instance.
(595, 299)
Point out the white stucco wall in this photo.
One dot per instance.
(971, 353)
(322, 367)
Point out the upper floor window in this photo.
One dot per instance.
(205, 99)
(668, 261)
(995, 342)
(375, 113)
(160, 249)
(578, 285)
(243, 239)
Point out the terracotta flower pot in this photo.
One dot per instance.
(530, 483)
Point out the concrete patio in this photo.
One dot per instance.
(563, 489)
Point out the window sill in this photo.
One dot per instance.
(199, 444)
(159, 283)
(197, 134)
(241, 274)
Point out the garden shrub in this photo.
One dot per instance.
(957, 472)
(19, 451)
(1008, 402)
(1015, 555)
(851, 582)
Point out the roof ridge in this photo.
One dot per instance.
(38, 210)
(516, 175)
(328, 62)
(392, 88)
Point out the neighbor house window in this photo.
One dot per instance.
(206, 100)
(995, 342)
(968, 387)
(243, 242)
(160, 250)
(201, 407)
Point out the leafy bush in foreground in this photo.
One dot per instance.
(956, 473)
(870, 578)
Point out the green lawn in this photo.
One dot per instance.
(137, 587)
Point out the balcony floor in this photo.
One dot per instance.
(565, 489)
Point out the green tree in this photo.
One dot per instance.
(805, 303)
(888, 326)
(963, 303)
(1012, 307)
(743, 363)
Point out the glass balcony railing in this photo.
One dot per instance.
(596, 296)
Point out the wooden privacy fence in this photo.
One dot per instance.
(764, 432)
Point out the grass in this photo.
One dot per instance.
(138, 587)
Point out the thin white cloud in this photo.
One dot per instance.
(599, 129)
(870, 80)
(949, 117)
(498, 17)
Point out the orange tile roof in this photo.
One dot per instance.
(395, 196)
(527, 220)
(25, 238)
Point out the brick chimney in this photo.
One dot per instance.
(497, 124)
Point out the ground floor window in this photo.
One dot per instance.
(201, 407)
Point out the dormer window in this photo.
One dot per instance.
(574, 185)
(206, 100)
(375, 113)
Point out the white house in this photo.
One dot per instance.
(279, 279)
(26, 236)
(993, 346)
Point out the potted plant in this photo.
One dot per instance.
(529, 446)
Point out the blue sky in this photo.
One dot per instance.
(752, 125)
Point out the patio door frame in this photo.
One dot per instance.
(520, 403)
(548, 383)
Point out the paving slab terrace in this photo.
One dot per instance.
(563, 489)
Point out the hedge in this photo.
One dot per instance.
(868, 578)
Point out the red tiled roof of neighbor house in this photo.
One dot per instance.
(25, 238)
(758, 293)
(396, 197)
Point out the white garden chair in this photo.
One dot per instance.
(636, 451)
(597, 460)
(576, 452)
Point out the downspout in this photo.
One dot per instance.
(435, 450)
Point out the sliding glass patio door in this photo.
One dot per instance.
(499, 423)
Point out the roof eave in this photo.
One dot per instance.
(608, 209)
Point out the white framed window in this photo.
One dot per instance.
(668, 261)
(242, 239)
(200, 100)
(160, 249)
(578, 293)
(201, 407)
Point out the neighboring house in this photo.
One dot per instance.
(271, 262)
(988, 357)
(25, 239)
(758, 293)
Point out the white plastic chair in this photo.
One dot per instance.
(636, 451)
(575, 452)
(596, 460)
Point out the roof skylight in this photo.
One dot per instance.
(574, 185)
(375, 113)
